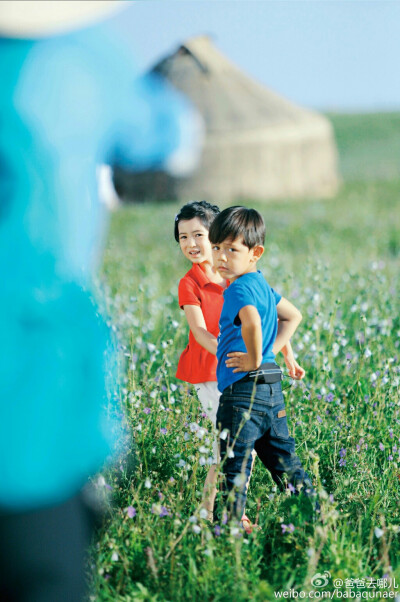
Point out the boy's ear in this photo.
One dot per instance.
(258, 250)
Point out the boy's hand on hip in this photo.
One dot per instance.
(242, 362)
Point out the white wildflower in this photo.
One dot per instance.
(378, 532)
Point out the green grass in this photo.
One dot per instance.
(369, 145)
(338, 261)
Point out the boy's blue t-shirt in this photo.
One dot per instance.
(249, 289)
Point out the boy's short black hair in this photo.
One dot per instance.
(201, 209)
(238, 222)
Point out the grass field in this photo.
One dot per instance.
(338, 261)
(369, 145)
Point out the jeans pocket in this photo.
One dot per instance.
(279, 422)
(245, 424)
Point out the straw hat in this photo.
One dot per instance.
(41, 18)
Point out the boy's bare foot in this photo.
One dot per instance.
(247, 524)
(210, 515)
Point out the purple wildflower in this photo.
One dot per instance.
(164, 511)
(342, 452)
(358, 447)
(147, 410)
(217, 530)
(291, 488)
(131, 512)
(390, 458)
(381, 446)
(330, 397)
(287, 528)
(163, 431)
(342, 462)
(319, 418)
(224, 518)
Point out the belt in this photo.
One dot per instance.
(267, 374)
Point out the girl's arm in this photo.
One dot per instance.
(197, 325)
(295, 370)
(289, 319)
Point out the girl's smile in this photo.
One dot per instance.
(193, 241)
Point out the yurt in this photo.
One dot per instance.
(257, 144)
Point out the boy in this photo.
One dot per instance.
(251, 408)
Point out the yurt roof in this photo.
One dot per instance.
(225, 96)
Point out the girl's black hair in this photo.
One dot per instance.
(201, 209)
(238, 222)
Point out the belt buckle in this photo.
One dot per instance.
(255, 374)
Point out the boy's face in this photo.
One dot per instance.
(233, 259)
(194, 241)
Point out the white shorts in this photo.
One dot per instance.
(209, 395)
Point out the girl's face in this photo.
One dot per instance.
(193, 240)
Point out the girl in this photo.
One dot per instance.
(200, 295)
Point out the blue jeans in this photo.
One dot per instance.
(255, 418)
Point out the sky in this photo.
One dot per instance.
(328, 55)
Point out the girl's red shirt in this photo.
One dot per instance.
(196, 364)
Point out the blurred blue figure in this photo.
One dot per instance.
(67, 104)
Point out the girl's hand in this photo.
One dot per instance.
(295, 370)
(242, 362)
